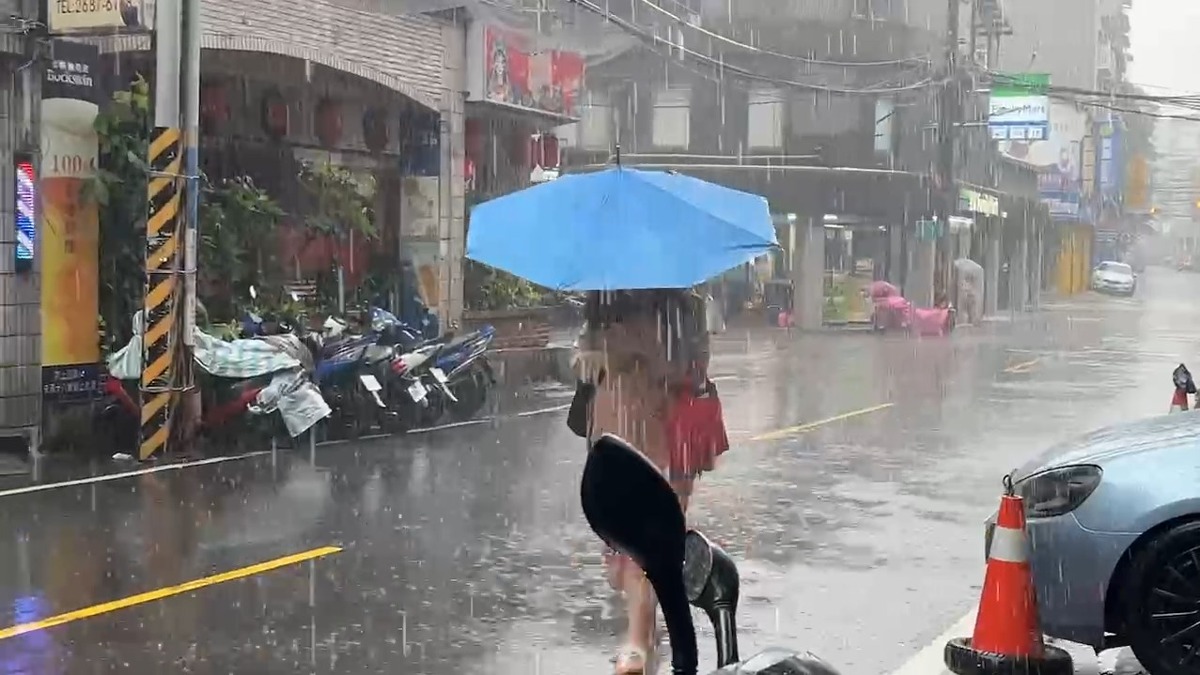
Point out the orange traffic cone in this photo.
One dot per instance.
(1179, 402)
(1008, 636)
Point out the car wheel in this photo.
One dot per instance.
(1161, 601)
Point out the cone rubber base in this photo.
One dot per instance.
(962, 660)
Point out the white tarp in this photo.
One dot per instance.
(297, 399)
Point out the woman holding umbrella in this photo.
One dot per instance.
(643, 356)
(638, 242)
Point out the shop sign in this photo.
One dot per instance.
(973, 201)
(70, 240)
(70, 16)
(1062, 204)
(1019, 109)
(506, 68)
(928, 230)
(1109, 141)
(958, 224)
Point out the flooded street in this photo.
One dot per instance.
(861, 471)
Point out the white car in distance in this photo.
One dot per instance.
(1114, 277)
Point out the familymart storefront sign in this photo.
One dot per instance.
(1019, 108)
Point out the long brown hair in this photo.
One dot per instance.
(674, 310)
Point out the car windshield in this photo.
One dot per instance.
(1119, 268)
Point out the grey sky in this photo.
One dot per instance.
(1166, 44)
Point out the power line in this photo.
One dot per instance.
(723, 68)
(791, 57)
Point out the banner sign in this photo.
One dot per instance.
(70, 225)
(973, 201)
(1110, 162)
(504, 67)
(70, 16)
(1062, 204)
(1019, 109)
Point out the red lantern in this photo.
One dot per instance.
(276, 118)
(475, 141)
(549, 151)
(329, 122)
(375, 129)
(214, 107)
(543, 151)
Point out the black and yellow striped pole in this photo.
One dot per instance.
(162, 287)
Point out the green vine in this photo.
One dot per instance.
(238, 223)
(119, 189)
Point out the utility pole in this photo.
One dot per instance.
(191, 140)
(948, 120)
(161, 344)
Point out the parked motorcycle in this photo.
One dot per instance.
(408, 384)
(630, 505)
(346, 368)
(240, 384)
(450, 375)
(463, 373)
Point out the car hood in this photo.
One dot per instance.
(1115, 277)
(1105, 445)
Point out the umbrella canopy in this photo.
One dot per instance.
(620, 229)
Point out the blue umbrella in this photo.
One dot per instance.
(620, 229)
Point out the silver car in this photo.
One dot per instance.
(1114, 277)
(1114, 532)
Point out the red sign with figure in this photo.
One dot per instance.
(516, 73)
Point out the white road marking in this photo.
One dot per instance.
(1129, 352)
(42, 487)
(130, 474)
(543, 411)
(452, 425)
(930, 660)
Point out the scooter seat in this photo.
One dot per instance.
(378, 353)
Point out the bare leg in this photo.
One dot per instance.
(641, 606)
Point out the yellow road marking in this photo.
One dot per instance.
(151, 596)
(1022, 367)
(802, 428)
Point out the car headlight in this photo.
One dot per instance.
(1058, 491)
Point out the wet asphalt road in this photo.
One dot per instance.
(463, 550)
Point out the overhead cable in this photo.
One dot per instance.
(723, 68)
(790, 57)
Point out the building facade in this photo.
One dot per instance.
(841, 137)
(20, 299)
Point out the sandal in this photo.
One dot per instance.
(631, 660)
